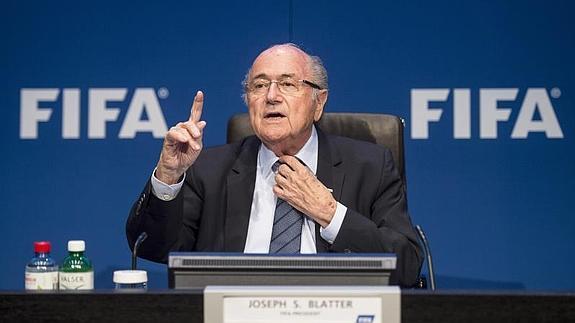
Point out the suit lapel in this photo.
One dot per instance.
(330, 175)
(240, 191)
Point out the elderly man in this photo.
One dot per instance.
(290, 188)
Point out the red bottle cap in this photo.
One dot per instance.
(42, 246)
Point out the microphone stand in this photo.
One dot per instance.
(428, 255)
(139, 241)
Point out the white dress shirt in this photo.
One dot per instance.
(264, 202)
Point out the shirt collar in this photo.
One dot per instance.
(307, 154)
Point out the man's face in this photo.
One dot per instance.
(280, 119)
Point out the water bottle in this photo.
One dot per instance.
(42, 270)
(76, 271)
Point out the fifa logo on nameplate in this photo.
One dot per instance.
(365, 319)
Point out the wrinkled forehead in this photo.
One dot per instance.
(280, 61)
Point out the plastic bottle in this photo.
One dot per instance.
(76, 271)
(42, 271)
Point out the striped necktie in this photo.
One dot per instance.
(286, 231)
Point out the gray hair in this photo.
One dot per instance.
(315, 66)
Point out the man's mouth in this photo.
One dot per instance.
(273, 115)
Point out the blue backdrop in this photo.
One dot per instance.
(486, 88)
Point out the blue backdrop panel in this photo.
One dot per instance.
(497, 210)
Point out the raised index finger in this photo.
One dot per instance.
(197, 107)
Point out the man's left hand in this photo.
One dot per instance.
(297, 185)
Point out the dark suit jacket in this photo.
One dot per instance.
(211, 212)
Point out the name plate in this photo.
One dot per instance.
(287, 304)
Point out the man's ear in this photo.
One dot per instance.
(320, 104)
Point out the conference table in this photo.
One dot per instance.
(187, 306)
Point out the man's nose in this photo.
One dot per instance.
(273, 95)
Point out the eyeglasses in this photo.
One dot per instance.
(285, 86)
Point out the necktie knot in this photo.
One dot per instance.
(275, 166)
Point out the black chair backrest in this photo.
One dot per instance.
(381, 129)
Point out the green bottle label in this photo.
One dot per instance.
(77, 280)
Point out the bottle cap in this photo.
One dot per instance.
(42, 246)
(130, 276)
(76, 245)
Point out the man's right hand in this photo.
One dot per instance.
(182, 145)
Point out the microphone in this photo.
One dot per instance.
(423, 239)
(139, 241)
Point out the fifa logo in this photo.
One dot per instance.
(365, 319)
(535, 115)
(37, 105)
